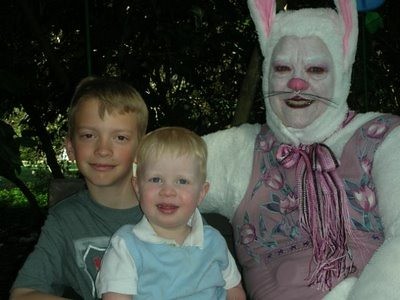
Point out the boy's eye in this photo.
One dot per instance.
(87, 135)
(155, 180)
(121, 138)
(182, 181)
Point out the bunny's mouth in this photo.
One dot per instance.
(300, 99)
(298, 102)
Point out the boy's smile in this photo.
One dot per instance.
(167, 208)
(104, 148)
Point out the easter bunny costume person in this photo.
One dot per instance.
(312, 194)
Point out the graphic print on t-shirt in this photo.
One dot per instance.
(89, 252)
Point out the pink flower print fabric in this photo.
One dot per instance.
(266, 223)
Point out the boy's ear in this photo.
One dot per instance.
(69, 148)
(135, 185)
(203, 192)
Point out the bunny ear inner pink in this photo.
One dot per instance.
(345, 7)
(266, 9)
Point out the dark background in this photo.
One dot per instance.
(195, 62)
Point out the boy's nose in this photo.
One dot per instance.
(298, 84)
(167, 190)
(103, 148)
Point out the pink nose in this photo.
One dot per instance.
(298, 84)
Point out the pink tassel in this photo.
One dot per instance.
(323, 213)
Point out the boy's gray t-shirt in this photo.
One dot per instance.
(71, 244)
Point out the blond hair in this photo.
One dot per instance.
(176, 141)
(112, 95)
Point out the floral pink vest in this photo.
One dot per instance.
(271, 245)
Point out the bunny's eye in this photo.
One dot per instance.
(316, 70)
(282, 69)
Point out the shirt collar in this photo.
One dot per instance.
(145, 232)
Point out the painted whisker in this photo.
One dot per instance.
(319, 98)
(275, 93)
(305, 96)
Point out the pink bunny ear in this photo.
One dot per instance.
(266, 9)
(348, 11)
(263, 15)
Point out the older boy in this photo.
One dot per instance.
(107, 119)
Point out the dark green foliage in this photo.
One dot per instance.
(10, 160)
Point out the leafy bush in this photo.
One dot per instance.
(14, 197)
(36, 178)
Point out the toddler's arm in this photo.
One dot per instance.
(236, 293)
(116, 296)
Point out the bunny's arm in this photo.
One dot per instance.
(230, 159)
(380, 278)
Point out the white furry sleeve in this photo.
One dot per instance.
(381, 277)
(230, 160)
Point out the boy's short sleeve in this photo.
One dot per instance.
(42, 269)
(118, 271)
(231, 274)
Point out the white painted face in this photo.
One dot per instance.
(301, 80)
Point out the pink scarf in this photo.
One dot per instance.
(323, 211)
